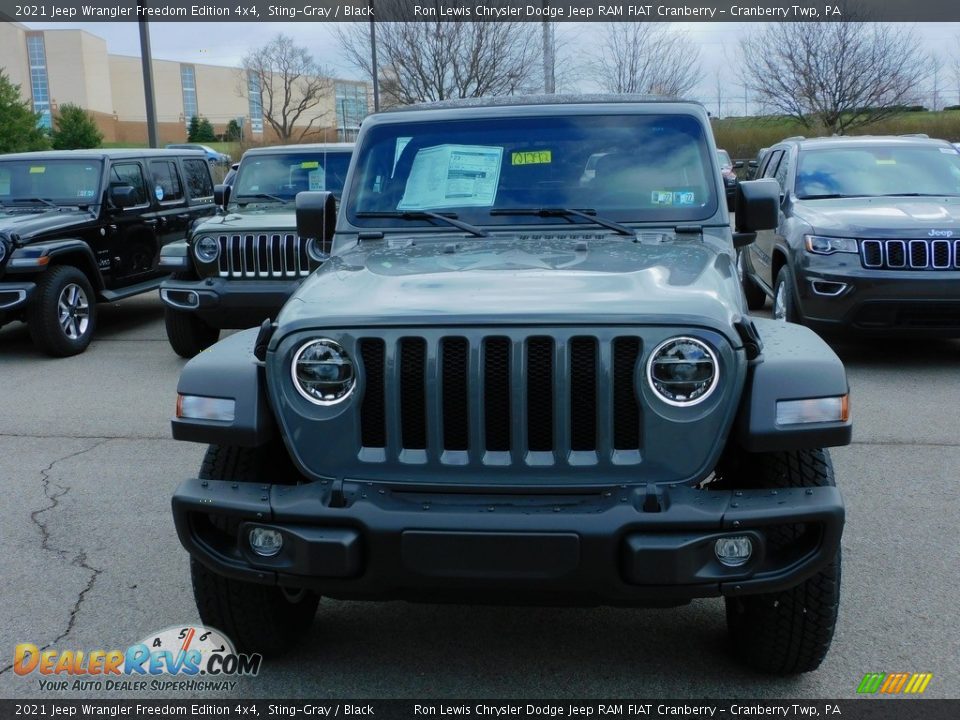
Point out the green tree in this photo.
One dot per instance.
(75, 129)
(193, 130)
(205, 131)
(234, 131)
(19, 128)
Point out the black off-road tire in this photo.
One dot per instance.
(49, 331)
(187, 333)
(756, 297)
(787, 632)
(786, 284)
(258, 618)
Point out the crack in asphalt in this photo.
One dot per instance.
(79, 559)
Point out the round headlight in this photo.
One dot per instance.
(323, 372)
(315, 251)
(3, 250)
(206, 249)
(682, 371)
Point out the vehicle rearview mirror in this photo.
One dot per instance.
(123, 196)
(758, 205)
(316, 216)
(737, 164)
(221, 195)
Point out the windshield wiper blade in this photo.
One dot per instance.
(916, 194)
(449, 218)
(585, 213)
(262, 196)
(35, 200)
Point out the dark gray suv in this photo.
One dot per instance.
(513, 383)
(868, 240)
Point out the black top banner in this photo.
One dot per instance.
(477, 10)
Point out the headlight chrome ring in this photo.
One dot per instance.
(206, 249)
(683, 371)
(323, 372)
(315, 251)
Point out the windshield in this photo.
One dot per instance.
(876, 170)
(630, 167)
(724, 158)
(283, 175)
(64, 182)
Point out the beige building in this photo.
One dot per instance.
(55, 67)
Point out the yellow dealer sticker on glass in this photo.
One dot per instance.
(309, 164)
(38, 170)
(532, 157)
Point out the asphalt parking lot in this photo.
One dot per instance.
(89, 558)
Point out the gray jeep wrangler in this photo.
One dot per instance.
(515, 381)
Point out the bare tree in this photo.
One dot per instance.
(291, 83)
(833, 75)
(438, 60)
(649, 58)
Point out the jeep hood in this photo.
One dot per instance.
(881, 216)
(509, 280)
(252, 219)
(29, 224)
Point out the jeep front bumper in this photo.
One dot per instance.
(228, 302)
(618, 546)
(15, 295)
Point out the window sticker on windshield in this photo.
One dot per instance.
(532, 157)
(886, 161)
(453, 176)
(673, 197)
(316, 179)
(309, 164)
(37, 169)
(158, 192)
(85, 193)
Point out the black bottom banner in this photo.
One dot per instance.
(860, 709)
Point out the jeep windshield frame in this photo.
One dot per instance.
(46, 182)
(278, 176)
(649, 168)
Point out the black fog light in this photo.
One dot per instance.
(734, 551)
(265, 542)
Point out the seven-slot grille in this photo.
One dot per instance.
(939, 254)
(273, 255)
(500, 400)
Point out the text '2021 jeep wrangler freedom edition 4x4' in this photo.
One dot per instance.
(518, 382)
(82, 226)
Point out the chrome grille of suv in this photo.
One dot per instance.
(263, 256)
(910, 254)
(567, 399)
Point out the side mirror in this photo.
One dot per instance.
(123, 196)
(737, 164)
(221, 195)
(752, 164)
(758, 208)
(316, 217)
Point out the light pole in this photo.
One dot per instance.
(146, 61)
(373, 60)
(549, 84)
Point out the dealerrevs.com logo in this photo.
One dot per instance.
(170, 660)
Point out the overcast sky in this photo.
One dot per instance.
(227, 43)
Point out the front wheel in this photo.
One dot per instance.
(785, 297)
(258, 618)
(188, 334)
(788, 632)
(63, 315)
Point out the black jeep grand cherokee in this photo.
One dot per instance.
(868, 238)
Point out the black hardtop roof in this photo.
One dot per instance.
(557, 100)
(102, 154)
